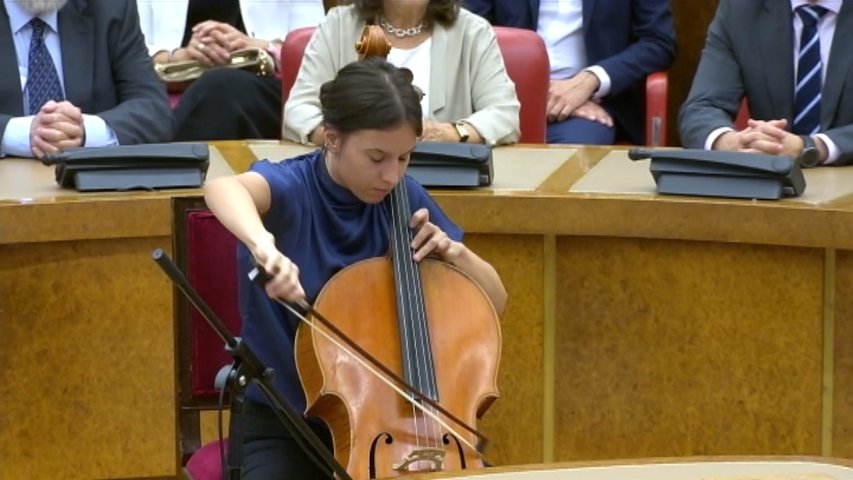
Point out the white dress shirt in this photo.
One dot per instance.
(560, 25)
(16, 137)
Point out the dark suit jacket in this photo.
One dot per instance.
(629, 39)
(749, 52)
(106, 67)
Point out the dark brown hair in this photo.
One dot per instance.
(444, 12)
(371, 94)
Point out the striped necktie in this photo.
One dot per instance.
(809, 73)
(42, 80)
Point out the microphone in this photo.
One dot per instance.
(639, 153)
(54, 158)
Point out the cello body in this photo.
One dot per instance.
(374, 429)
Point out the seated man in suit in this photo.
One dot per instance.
(85, 78)
(600, 53)
(789, 60)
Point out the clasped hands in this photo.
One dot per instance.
(572, 97)
(212, 42)
(56, 126)
(764, 136)
(429, 240)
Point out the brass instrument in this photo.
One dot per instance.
(177, 75)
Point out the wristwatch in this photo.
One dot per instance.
(462, 130)
(809, 156)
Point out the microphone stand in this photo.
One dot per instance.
(248, 367)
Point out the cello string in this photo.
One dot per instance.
(416, 316)
(375, 372)
(404, 266)
(402, 301)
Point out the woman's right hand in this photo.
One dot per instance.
(283, 274)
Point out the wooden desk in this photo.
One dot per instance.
(637, 325)
(688, 468)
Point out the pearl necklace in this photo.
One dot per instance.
(402, 32)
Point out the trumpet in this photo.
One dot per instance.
(255, 60)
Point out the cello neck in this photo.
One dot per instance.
(417, 361)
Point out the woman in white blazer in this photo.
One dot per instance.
(224, 103)
(452, 53)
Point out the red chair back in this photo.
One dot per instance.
(292, 51)
(527, 64)
(206, 251)
(212, 271)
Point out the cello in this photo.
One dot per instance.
(429, 321)
(426, 322)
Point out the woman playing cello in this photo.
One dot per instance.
(304, 219)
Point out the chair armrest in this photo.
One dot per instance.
(656, 102)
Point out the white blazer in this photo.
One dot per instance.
(163, 21)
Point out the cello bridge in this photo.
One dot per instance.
(433, 456)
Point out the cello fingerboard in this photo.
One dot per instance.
(417, 360)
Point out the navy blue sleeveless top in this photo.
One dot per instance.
(322, 227)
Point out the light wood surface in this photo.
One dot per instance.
(700, 468)
(638, 325)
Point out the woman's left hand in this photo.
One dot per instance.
(431, 240)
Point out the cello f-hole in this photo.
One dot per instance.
(372, 464)
(446, 439)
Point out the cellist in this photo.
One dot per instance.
(305, 218)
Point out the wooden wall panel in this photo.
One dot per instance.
(514, 422)
(842, 400)
(669, 348)
(707, 341)
(86, 390)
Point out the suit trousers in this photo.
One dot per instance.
(581, 131)
(229, 104)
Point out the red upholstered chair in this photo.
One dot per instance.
(292, 51)
(526, 62)
(656, 103)
(206, 252)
